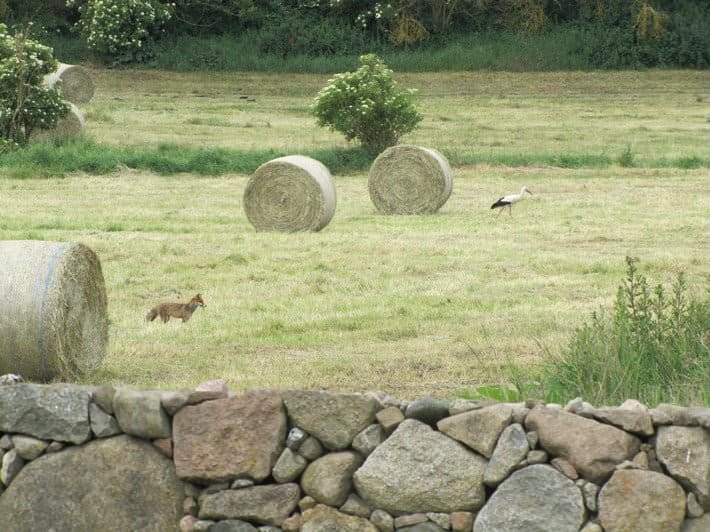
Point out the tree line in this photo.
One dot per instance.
(620, 32)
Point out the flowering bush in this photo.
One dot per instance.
(122, 29)
(25, 104)
(366, 105)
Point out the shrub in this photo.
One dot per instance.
(653, 348)
(366, 105)
(25, 104)
(122, 29)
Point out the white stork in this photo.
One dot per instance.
(507, 201)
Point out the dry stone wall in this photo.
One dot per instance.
(88, 458)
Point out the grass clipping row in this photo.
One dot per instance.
(410, 180)
(53, 317)
(290, 194)
(73, 81)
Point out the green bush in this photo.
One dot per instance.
(654, 348)
(25, 104)
(122, 29)
(366, 105)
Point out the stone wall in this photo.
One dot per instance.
(84, 458)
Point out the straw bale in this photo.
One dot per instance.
(289, 194)
(410, 180)
(74, 81)
(53, 311)
(67, 128)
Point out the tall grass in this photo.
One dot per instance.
(655, 347)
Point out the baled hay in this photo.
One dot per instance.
(75, 83)
(289, 194)
(410, 180)
(53, 310)
(67, 128)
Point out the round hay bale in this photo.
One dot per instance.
(67, 128)
(410, 180)
(53, 311)
(289, 194)
(75, 83)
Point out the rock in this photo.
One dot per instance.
(141, 414)
(55, 447)
(478, 429)
(334, 419)
(590, 491)
(295, 438)
(692, 506)
(641, 500)
(173, 401)
(208, 391)
(12, 464)
(634, 417)
(102, 397)
(354, 505)
(232, 525)
(427, 410)
(288, 467)
(237, 437)
(537, 457)
(268, 504)
(409, 520)
(537, 497)
(532, 439)
(311, 449)
(241, 483)
(426, 526)
(6, 442)
(214, 488)
(459, 406)
(306, 503)
(461, 521)
(329, 479)
(46, 411)
(591, 527)
(382, 520)
(701, 524)
(685, 451)
(165, 446)
(389, 418)
(103, 425)
(512, 447)
(367, 440)
(27, 447)
(189, 506)
(441, 520)
(322, 518)
(420, 470)
(118, 483)
(292, 523)
(564, 467)
(665, 414)
(593, 448)
(187, 523)
(640, 461)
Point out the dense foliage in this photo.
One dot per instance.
(25, 104)
(366, 105)
(608, 33)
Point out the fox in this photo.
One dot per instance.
(183, 311)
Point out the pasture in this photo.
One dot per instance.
(411, 305)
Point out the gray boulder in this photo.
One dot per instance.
(289, 466)
(634, 499)
(420, 470)
(701, 524)
(49, 412)
(427, 410)
(537, 498)
(511, 449)
(329, 479)
(141, 414)
(478, 429)
(27, 447)
(116, 483)
(268, 504)
(334, 419)
(103, 425)
(685, 451)
(594, 449)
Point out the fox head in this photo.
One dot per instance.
(198, 300)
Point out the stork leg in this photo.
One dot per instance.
(510, 210)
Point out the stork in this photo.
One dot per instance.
(507, 201)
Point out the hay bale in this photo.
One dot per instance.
(410, 180)
(53, 310)
(289, 194)
(74, 81)
(67, 128)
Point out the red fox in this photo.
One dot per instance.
(176, 310)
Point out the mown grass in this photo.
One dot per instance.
(412, 305)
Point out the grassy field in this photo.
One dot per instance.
(414, 306)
